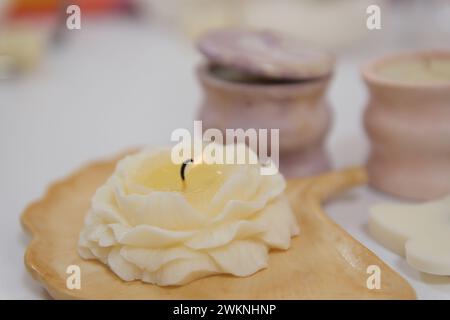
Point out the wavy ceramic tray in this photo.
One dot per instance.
(324, 262)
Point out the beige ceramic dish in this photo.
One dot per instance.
(324, 262)
(408, 124)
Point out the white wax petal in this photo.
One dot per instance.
(241, 258)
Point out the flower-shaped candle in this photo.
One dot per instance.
(147, 222)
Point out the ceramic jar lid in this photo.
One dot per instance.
(266, 54)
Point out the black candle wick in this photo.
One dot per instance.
(183, 167)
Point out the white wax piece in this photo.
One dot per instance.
(419, 232)
(417, 70)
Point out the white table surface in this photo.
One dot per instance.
(114, 85)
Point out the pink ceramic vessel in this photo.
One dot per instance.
(299, 109)
(408, 124)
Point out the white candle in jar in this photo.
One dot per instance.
(419, 69)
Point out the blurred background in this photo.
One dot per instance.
(126, 79)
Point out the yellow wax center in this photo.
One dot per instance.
(425, 70)
(202, 181)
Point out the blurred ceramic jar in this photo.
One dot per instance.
(408, 122)
(263, 80)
